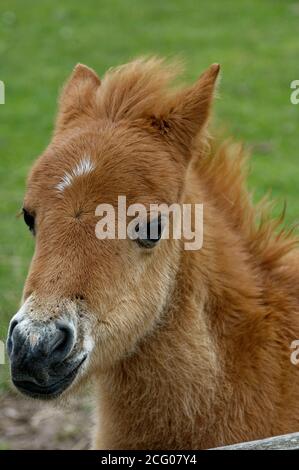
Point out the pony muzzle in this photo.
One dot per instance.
(43, 356)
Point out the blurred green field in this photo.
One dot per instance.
(255, 41)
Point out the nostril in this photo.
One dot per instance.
(59, 340)
(64, 342)
(13, 325)
(9, 344)
(64, 338)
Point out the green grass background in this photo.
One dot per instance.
(256, 42)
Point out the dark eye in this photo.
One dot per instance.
(29, 220)
(150, 233)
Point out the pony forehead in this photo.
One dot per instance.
(102, 163)
(84, 167)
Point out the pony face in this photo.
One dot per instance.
(88, 302)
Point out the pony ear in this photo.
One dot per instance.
(78, 96)
(190, 110)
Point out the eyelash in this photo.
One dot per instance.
(29, 220)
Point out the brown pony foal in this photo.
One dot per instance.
(187, 349)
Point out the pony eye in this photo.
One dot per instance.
(150, 233)
(29, 220)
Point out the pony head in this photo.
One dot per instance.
(88, 302)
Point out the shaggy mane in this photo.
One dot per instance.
(145, 87)
(139, 88)
(225, 171)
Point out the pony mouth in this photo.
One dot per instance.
(48, 392)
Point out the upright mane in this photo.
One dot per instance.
(139, 88)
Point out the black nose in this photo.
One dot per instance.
(37, 351)
(45, 342)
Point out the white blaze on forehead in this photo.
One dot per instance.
(84, 167)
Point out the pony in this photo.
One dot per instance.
(186, 349)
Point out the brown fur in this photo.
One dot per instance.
(192, 349)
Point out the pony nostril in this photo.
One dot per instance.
(9, 344)
(13, 325)
(59, 341)
(64, 343)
